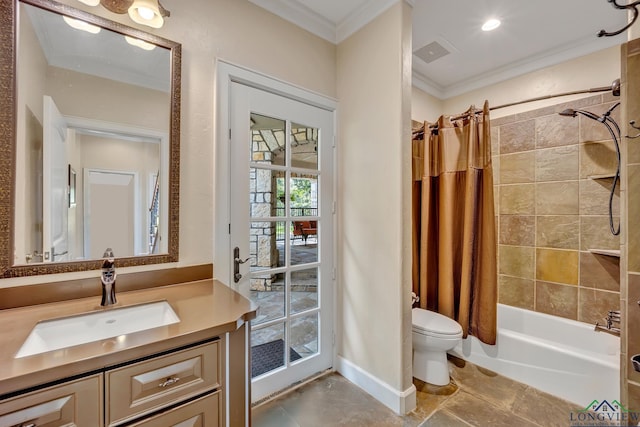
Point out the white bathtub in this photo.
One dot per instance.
(559, 356)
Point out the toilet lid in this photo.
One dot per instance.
(430, 321)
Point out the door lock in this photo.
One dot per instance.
(236, 264)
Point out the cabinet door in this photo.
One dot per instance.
(76, 403)
(147, 386)
(203, 412)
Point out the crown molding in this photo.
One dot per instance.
(300, 15)
(533, 63)
(360, 17)
(427, 85)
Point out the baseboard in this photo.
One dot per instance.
(401, 402)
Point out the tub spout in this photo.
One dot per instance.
(606, 328)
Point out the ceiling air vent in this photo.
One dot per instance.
(431, 52)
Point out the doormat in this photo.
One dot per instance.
(268, 356)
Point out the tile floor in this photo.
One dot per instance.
(475, 397)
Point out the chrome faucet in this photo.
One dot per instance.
(108, 279)
(613, 316)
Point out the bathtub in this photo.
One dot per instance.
(565, 358)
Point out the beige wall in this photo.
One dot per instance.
(32, 67)
(239, 32)
(374, 199)
(425, 107)
(594, 70)
(84, 95)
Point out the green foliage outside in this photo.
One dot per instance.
(300, 193)
(300, 197)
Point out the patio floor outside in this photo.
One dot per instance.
(303, 296)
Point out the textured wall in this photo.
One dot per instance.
(373, 198)
(550, 212)
(244, 34)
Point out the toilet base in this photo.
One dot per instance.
(431, 367)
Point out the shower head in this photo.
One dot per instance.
(569, 112)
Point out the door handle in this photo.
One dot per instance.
(236, 264)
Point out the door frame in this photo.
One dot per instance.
(137, 214)
(83, 125)
(226, 74)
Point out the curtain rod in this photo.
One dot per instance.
(614, 88)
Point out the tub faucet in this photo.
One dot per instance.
(613, 316)
(108, 279)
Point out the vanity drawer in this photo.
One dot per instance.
(76, 403)
(202, 412)
(152, 384)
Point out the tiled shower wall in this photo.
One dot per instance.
(631, 233)
(552, 208)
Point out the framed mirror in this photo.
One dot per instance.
(90, 149)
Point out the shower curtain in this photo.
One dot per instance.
(454, 240)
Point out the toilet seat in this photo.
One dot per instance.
(435, 324)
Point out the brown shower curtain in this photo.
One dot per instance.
(454, 241)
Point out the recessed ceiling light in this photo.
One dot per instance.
(491, 24)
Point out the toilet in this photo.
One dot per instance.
(433, 335)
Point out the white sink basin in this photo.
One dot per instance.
(65, 332)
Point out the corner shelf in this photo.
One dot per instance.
(606, 252)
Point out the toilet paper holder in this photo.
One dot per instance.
(414, 298)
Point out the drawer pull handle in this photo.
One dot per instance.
(28, 425)
(169, 381)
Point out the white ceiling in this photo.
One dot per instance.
(534, 34)
(105, 54)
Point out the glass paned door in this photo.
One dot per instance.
(282, 222)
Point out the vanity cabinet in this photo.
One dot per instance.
(182, 386)
(144, 387)
(194, 372)
(74, 403)
(200, 412)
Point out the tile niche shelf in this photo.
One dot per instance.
(603, 176)
(607, 252)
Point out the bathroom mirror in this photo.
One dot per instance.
(90, 146)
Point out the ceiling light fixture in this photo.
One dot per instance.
(145, 12)
(139, 43)
(491, 24)
(81, 25)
